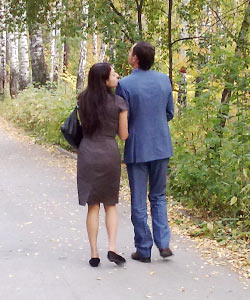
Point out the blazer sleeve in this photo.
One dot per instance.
(170, 105)
(121, 91)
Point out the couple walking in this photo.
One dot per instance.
(139, 113)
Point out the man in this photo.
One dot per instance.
(148, 148)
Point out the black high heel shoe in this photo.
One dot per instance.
(94, 262)
(118, 259)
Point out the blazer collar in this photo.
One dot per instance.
(139, 70)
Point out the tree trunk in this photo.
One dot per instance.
(102, 50)
(94, 41)
(112, 50)
(66, 50)
(182, 94)
(200, 58)
(39, 68)
(54, 57)
(2, 49)
(170, 5)
(24, 71)
(83, 51)
(14, 64)
(54, 43)
(139, 4)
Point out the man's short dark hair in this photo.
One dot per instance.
(145, 53)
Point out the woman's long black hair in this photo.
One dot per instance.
(93, 101)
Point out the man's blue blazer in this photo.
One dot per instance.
(150, 100)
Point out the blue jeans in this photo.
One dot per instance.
(139, 174)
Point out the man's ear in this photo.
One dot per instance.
(135, 58)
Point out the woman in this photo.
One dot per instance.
(102, 115)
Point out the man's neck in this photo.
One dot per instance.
(136, 66)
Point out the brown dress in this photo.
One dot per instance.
(98, 160)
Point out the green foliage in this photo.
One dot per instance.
(41, 112)
(207, 171)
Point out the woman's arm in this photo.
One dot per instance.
(123, 125)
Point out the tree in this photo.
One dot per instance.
(103, 49)
(39, 68)
(55, 35)
(2, 48)
(24, 71)
(14, 63)
(83, 49)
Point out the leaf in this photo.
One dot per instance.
(233, 200)
(210, 226)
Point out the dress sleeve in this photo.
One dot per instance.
(121, 104)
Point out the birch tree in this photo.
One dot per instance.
(39, 68)
(95, 41)
(182, 93)
(24, 71)
(2, 48)
(66, 50)
(54, 42)
(14, 63)
(83, 50)
(103, 49)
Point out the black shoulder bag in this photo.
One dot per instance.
(72, 130)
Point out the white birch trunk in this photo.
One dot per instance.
(83, 51)
(55, 44)
(65, 57)
(184, 34)
(182, 94)
(53, 57)
(103, 49)
(95, 43)
(3, 42)
(39, 68)
(112, 51)
(24, 71)
(14, 64)
(209, 14)
(61, 58)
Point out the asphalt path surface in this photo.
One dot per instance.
(44, 249)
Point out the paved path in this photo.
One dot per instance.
(44, 250)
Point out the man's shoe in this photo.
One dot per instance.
(137, 256)
(165, 252)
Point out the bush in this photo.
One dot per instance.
(41, 112)
(210, 171)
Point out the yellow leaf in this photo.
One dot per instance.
(245, 173)
(233, 200)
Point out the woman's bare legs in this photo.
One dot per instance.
(92, 228)
(111, 221)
